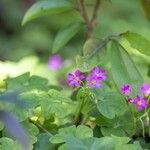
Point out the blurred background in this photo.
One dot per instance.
(28, 48)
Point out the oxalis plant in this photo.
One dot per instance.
(107, 107)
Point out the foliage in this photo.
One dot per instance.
(101, 108)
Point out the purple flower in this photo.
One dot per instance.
(99, 73)
(145, 88)
(75, 79)
(130, 100)
(55, 62)
(93, 81)
(126, 89)
(140, 102)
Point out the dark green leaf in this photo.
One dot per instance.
(64, 35)
(43, 143)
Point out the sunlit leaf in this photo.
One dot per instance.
(138, 42)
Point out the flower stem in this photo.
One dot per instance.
(143, 133)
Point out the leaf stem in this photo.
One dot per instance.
(143, 133)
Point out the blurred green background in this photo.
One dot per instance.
(27, 48)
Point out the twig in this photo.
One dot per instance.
(83, 12)
(92, 22)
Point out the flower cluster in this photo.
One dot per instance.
(94, 79)
(140, 101)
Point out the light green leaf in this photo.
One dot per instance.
(126, 147)
(123, 69)
(64, 35)
(110, 105)
(138, 42)
(43, 8)
(9, 144)
(94, 52)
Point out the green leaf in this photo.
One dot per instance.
(123, 69)
(31, 130)
(138, 42)
(9, 144)
(43, 143)
(54, 102)
(64, 35)
(18, 82)
(126, 147)
(138, 146)
(104, 143)
(43, 8)
(26, 83)
(86, 101)
(119, 126)
(94, 52)
(80, 132)
(110, 104)
(1, 125)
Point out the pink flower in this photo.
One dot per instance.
(140, 102)
(75, 79)
(55, 62)
(145, 88)
(93, 81)
(126, 89)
